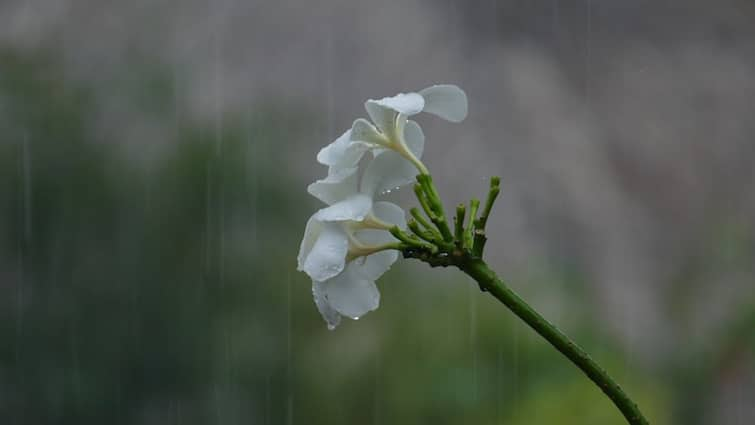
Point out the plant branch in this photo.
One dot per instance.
(489, 281)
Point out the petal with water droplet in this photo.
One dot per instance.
(327, 256)
(390, 213)
(311, 232)
(355, 208)
(351, 294)
(329, 314)
(387, 171)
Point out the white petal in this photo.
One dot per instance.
(363, 131)
(336, 187)
(384, 118)
(415, 138)
(388, 171)
(331, 154)
(355, 208)
(403, 103)
(390, 213)
(351, 294)
(342, 153)
(384, 111)
(446, 101)
(327, 257)
(332, 318)
(374, 237)
(311, 232)
(375, 265)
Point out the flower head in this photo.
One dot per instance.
(347, 245)
(392, 130)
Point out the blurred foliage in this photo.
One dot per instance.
(166, 292)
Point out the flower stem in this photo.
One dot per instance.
(421, 233)
(459, 225)
(489, 281)
(495, 189)
(411, 241)
(430, 194)
(479, 237)
(474, 205)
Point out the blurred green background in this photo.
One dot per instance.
(154, 161)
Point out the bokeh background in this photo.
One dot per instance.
(153, 163)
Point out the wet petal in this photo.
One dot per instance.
(375, 265)
(384, 111)
(355, 208)
(415, 138)
(327, 258)
(329, 314)
(403, 103)
(363, 131)
(446, 101)
(374, 237)
(342, 153)
(339, 185)
(388, 171)
(311, 232)
(351, 294)
(331, 154)
(390, 213)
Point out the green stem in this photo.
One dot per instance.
(423, 201)
(411, 241)
(436, 206)
(474, 204)
(495, 189)
(427, 226)
(421, 233)
(489, 281)
(459, 225)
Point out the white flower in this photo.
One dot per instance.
(344, 249)
(388, 170)
(347, 246)
(336, 234)
(343, 252)
(352, 292)
(392, 130)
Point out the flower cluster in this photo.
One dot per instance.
(350, 243)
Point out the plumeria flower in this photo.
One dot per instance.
(392, 130)
(368, 253)
(346, 231)
(347, 245)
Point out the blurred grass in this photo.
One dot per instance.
(167, 292)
